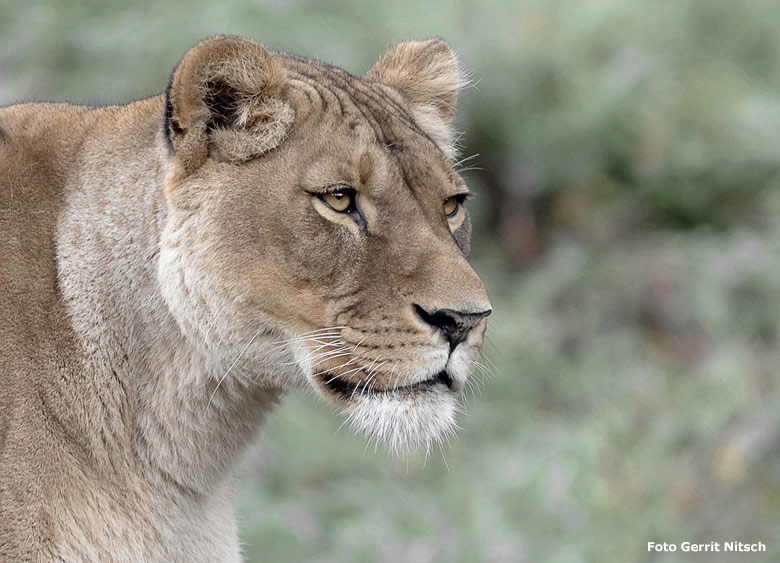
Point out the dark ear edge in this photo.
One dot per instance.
(168, 124)
(227, 94)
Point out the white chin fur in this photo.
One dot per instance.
(404, 421)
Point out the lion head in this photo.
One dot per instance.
(316, 232)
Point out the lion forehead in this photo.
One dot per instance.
(334, 95)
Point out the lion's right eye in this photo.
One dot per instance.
(342, 200)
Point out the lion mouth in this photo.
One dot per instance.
(347, 390)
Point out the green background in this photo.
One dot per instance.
(628, 229)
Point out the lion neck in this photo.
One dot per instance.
(162, 422)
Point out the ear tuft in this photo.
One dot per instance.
(427, 74)
(227, 96)
(257, 128)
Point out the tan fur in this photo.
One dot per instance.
(427, 73)
(162, 286)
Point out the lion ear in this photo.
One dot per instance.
(227, 98)
(427, 74)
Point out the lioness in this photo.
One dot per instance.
(171, 266)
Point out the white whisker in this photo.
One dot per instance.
(248, 344)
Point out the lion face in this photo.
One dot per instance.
(334, 255)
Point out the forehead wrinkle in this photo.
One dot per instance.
(370, 94)
(327, 99)
(321, 82)
(376, 102)
(372, 103)
(315, 101)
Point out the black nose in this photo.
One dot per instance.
(454, 325)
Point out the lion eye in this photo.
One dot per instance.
(340, 201)
(451, 205)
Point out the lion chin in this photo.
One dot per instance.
(402, 418)
(405, 420)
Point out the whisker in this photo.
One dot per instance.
(248, 344)
(463, 160)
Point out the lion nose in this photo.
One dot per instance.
(454, 325)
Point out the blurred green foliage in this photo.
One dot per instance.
(628, 227)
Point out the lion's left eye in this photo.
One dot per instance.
(342, 200)
(451, 205)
